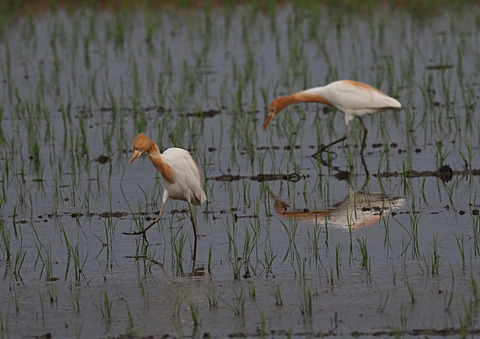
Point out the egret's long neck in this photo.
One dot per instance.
(308, 96)
(298, 97)
(157, 160)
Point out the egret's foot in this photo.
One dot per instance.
(134, 233)
(321, 150)
(142, 232)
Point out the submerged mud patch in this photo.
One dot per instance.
(294, 177)
(445, 173)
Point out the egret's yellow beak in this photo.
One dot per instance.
(267, 121)
(136, 154)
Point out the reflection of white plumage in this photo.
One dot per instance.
(181, 176)
(356, 210)
(353, 98)
(363, 209)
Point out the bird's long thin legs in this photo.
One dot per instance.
(144, 231)
(323, 148)
(365, 132)
(192, 219)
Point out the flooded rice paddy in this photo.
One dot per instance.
(289, 245)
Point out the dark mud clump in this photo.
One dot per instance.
(294, 177)
(205, 114)
(102, 159)
(445, 173)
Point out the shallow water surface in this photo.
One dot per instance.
(289, 244)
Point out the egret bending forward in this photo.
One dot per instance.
(181, 176)
(353, 98)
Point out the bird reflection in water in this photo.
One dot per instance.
(358, 209)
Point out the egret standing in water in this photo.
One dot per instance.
(181, 176)
(353, 98)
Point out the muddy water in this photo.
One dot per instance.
(289, 244)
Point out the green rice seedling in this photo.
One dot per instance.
(16, 303)
(130, 322)
(414, 220)
(403, 317)
(473, 287)
(105, 307)
(5, 240)
(362, 246)
(306, 304)
(261, 331)
(440, 155)
(466, 320)
(178, 323)
(476, 234)
(177, 306)
(46, 259)
(269, 256)
(291, 230)
(252, 290)
(195, 313)
(383, 301)
(315, 242)
(210, 256)
(435, 261)
(238, 302)
(247, 248)
(301, 266)
(179, 240)
(75, 297)
(42, 305)
(394, 275)
(411, 290)
(78, 262)
(237, 264)
(338, 253)
(212, 295)
(277, 293)
(461, 248)
(53, 295)
(448, 298)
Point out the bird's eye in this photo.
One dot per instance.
(272, 110)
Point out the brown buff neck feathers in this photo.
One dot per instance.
(142, 144)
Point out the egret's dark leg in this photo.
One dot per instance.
(144, 231)
(192, 219)
(365, 132)
(323, 148)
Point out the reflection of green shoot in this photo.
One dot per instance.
(476, 234)
(338, 252)
(306, 305)
(473, 287)
(238, 302)
(213, 296)
(447, 298)
(411, 290)
(5, 239)
(252, 290)
(177, 306)
(194, 312)
(105, 307)
(383, 301)
(278, 295)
